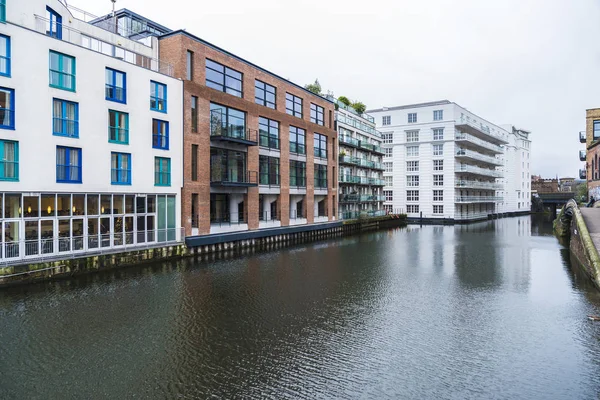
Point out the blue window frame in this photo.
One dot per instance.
(53, 23)
(116, 86)
(7, 108)
(65, 118)
(68, 165)
(162, 171)
(4, 55)
(62, 71)
(2, 10)
(160, 134)
(120, 173)
(118, 127)
(9, 160)
(158, 97)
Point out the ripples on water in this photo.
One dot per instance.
(491, 310)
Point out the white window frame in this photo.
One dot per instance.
(438, 180)
(438, 165)
(412, 166)
(438, 149)
(412, 151)
(412, 180)
(438, 133)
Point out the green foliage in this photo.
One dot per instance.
(314, 87)
(582, 192)
(359, 107)
(344, 100)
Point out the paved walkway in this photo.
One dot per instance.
(591, 216)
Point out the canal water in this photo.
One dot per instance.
(492, 310)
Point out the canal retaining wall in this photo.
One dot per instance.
(235, 242)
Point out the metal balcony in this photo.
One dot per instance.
(582, 137)
(480, 130)
(469, 140)
(233, 178)
(582, 155)
(466, 184)
(222, 130)
(478, 199)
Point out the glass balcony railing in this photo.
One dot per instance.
(465, 153)
(361, 214)
(478, 199)
(361, 162)
(461, 136)
(471, 169)
(478, 185)
(582, 137)
(480, 129)
(582, 155)
(355, 123)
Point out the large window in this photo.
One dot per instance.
(118, 127)
(158, 97)
(412, 195)
(388, 152)
(162, 171)
(194, 112)
(265, 94)
(412, 166)
(7, 108)
(4, 55)
(386, 120)
(438, 165)
(320, 142)
(229, 166)
(388, 166)
(412, 118)
(62, 71)
(65, 118)
(438, 115)
(320, 176)
(412, 136)
(116, 86)
(596, 129)
(223, 78)
(68, 165)
(269, 170)
(438, 180)
(9, 160)
(297, 173)
(317, 114)
(388, 180)
(412, 151)
(297, 140)
(389, 195)
(438, 134)
(293, 105)
(388, 137)
(412, 180)
(53, 23)
(412, 208)
(160, 134)
(120, 168)
(227, 122)
(438, 149)
(438, 209)
(438, 195)
(268, 133)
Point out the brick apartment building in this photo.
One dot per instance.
(259, 151)
(591, 155)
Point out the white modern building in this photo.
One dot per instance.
(442, 161)
(360, 164)
(90, 136)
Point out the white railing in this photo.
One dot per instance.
(469, 216)
(482, 143)
(477, 170)
(460, 152)
(478, 199)
(484, 129)
(56, 248)
(478, 185)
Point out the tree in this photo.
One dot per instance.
(359, 107)
(314, 87)
(582, 192)
(344, 100)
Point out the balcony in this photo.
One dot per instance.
(471, 216)
(465, 184)
(582, 155)
(349, 141)
(480, 130)
(471, 169)
(470, 140)
(582, 174)
(478, 199)
(475, 156)
(361, 162)
(361, 180)
(227, 132)
(359, 214)
(360, 144)
(233, 178)
(582, 137)
(355, 123)
(93, 43)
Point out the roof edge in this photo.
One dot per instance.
(417, 105)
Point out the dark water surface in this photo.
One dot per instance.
(491, 311)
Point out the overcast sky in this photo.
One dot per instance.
(531, 63)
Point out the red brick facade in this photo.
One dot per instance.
(173, 49)
(592, 154)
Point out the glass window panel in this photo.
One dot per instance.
(63, 205)
(92, 204)
(151, 204)
(31, 208)
(48, 205)
(12, 206)
(64, 235)
(118, 206)
(140, 205)
(129, 204)
(105, 232)
(92, 233)
(78, 204)
(106, 206)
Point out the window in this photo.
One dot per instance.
(412, 118)
(228, 122)
(268, 133)
(438, 134)
(116, 88)
(388, 152)
(189, 65)
(9, 160)
(2, 10)
(320, 142)
(68, 165)
(7, 108)
(297, 140)
(388, 166)
(438, 165)
(194, 162)
(293, 105)
(53, 23)
(438, 115)
(438, 149)
(389, 180)
(158, 97)
(412, 166)
(438, 195)
(438, 209)
(412, 195)
(162, 171)
(65, 118)
(118, 127)
(297, 173)
(412, 136)
(160, 134)
(412, 180)
(412, 208)
(412, 151)
(317, 114)
(438, 180)
(120, 164)
(265, 94)
(269, 170)
(194, 112)
(596, 129)
(223, 78)
(386, 120)
(320, 176)
(62, 71)
(4, 55)
(388, 208)
(388, 137)
(389, 195)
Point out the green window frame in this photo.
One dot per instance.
(9, 160)
(118, 127)
(162, 171)
(2, 10)
(62, 71)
